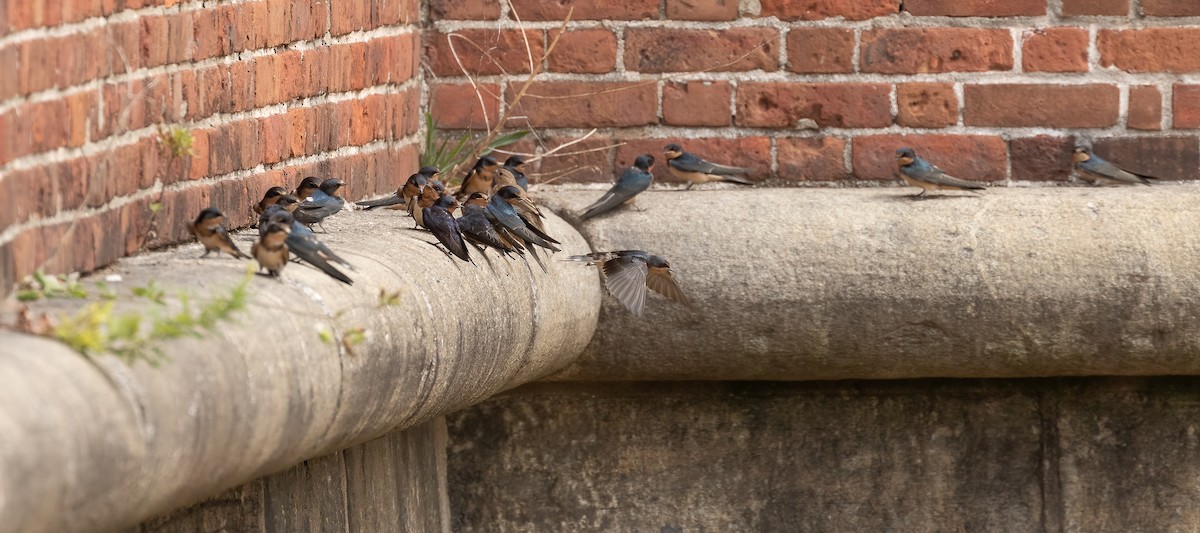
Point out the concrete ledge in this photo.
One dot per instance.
(98, 446)
(799, 284)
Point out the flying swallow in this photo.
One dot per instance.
(478, 230)
(209, 229)
(1095, 170)
(632, 181)
(920, 173)
(480, 178)
(302, 242)
(413, 187)
(695, 170)
(307, 187)
(516, 165)
(444, 226)
(268, 199)
(271, 250)
(627, 274)
(323, 203)
(503, 206)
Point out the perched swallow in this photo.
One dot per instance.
(210, 231)
(307, 187)
(522, 203)
(632, 181)
(444, 226)
(271, 250)
(627, 274)
(302, 242)
(413, 187)
(1095, 170)
(516, 165)
(269, 199)
(480, 178)
(323, 203)
(478, 230)
(432, 192)
(920, 173)
(696, 170)
(502, 207)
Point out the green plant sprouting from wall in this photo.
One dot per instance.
(447, 153)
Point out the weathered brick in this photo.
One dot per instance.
(697, 103)
(1172, 158)
(1055, 50)
(198, 161)
(823, 9)
(753, 153)
(315, 71)
(32, 74)
(811, 158)
(926, 105)
(702, 9)
(839, 105)
(1077, 8)
(9, 84)
(458, 106)
(969, 157)
(1150, 49)
(155, 32)
(609, 10)
(1185, 101)
(464, 10)
(482, 51)
(574, 104)
(1145, 108)
(81, 111)
(1170, 8)
(976, 8)
(685, 50)
(920, 50)
(1041, 105)
(820, 50)
(586, 51)
(1041, 158)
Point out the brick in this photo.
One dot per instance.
(811, 158)
(179, 37)
(1145, 108)
(1040, 105)
(969, 157)
(587, 51)
(697, 103)
(155, 32)
(123, 52)
(823, 9)
(315, 71)
(6, 138)
(280, 20)
(152, 161)
(1172, 158)
(1186, 106)
(199, 160)
(753, 153)
(267, 84)
(975, 8)
(586, 167)
(9, 84)
(839, 105)
(820, 50)
(610, 10)
(1170, 8)
(32, 75)
(482, 51)
(920, 50)
(210, 37)
(241, 86)
(1055, 50)
(574, 104)
(464, 9)
(1041, 158)
(926, 105)
(1079, 8)
(457, 105)
(711, 10)
(684, 50)
(275, 139)
(81, 112)
(347, 16)
(1150, 49)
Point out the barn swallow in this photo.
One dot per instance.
(503, 206)
(480, 178)
(920, 173)
(307, 186)
(478, 230)
(209, 229)
(516, 165)
(444, 226)
(432, 192)
(522, 202)
(1095, 170)
(627, 274)
(269, 199)
(632, 181)
(302, 242)
(271, 250)
(415, 184)
(695, 170)
(323, 203)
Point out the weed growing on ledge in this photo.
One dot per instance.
(177, 141)
(40, 285)
(440, 153)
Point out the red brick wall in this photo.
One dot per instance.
(270, 89)
(825, 90)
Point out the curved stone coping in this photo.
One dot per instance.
(98, 446)
(799, 284)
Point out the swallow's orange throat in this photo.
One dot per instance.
(904, 161)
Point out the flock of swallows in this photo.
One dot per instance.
(498, 213)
